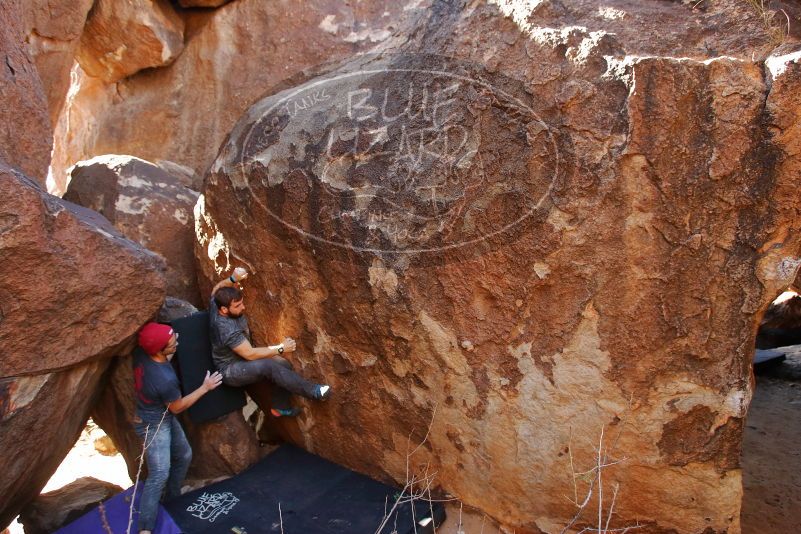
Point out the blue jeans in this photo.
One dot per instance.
(168, 455)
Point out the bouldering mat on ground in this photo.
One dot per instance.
(113, 516)
(767, 359)
(316, 497)
(193, 360)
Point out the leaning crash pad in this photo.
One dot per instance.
(113, 516)
(193, 360)
(315, 497)
(766, 359)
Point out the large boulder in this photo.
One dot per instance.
(781, 323)
(72, 287)
(148, 205)
(783, 107)
(41, 417)
(121, 38)
(531, 275)
(25, 131)
(232, 56)
(54, 509)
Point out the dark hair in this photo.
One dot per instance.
(226, 295)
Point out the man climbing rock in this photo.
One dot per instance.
(241, 363)
(158, 397)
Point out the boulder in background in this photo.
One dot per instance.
(147, 205)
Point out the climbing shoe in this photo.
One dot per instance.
(285, 412)
(323, 391)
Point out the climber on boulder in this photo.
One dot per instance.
(242, 364)
(158, 397)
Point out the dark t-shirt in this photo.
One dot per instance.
(156, 386)
(226, 333)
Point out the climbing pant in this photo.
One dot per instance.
(276, 370)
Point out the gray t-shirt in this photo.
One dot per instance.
(226, 333)
(156, 386)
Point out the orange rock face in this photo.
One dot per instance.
(72, 289)
(123, 38)
(54, 28)
(538, 266)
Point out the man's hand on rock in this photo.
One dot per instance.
(289, 344)
(212, 381)
(240, 273)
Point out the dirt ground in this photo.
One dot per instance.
(771, 457)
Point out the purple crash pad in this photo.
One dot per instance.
(112, 516)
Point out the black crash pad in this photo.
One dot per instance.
(193, 360)
(316, 497)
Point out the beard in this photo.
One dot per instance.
(233, 315)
